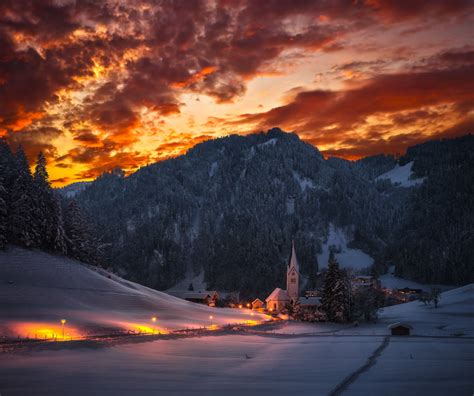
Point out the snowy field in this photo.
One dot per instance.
(401, 176)
(37, 290)
(347, 258)
(290, 358)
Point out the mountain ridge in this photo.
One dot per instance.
(231, 206)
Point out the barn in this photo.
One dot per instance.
(400, 329)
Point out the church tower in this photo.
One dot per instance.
(293, 276)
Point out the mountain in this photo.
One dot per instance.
(71, 190)
(231, 206)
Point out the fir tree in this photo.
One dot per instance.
(3, 213)
(77, 233)
(22, 215)
(336, 293)
(49, 216)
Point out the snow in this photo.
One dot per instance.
(213, 169)
(270, 142)
(197, 366)
(390, 281)
(347, 258)
(197, 281)
(303, 182)
(420, 367)
(296, 358)
(401, 176)
(38, 289)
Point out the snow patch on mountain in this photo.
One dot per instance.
(347, 257)
(213, 169)
(303, 182)
(401, 176)
(270, 142)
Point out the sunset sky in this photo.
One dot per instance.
(99, 84)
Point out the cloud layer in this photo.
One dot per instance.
(123, 83)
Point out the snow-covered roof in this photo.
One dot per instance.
(278, 295)
(257, 300)
(398, 324)
(310, 301)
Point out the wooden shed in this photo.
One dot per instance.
(400, 329)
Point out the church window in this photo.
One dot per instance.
(293, 280)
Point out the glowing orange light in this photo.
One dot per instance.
(240, 306)
(63, 321)
(248, 305)
(211, 317)
(153, 319)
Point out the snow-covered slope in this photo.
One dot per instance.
(347, 257)
(401, 176)
(454, 315)
(37, 290)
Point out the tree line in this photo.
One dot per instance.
(33, 215)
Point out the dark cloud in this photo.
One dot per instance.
(145, 54)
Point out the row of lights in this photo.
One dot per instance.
(153, 319)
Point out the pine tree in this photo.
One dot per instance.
(49, 217)
(22, 215)
(336, 293)
(3, 213)
(80, 243)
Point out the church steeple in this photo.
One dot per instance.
(293, 275)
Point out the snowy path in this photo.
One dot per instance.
(342, 387)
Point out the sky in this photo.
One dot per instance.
(102, 84)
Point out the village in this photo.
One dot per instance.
(307, 305)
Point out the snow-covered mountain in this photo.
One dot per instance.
(230, 208)
(71, 190)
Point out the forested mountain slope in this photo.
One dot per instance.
(231, 207)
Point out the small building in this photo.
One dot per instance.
(312, 293)
(206, 297)
(309, 302)
(277, 300)
(408, 290)
(400, 329)
(362, 281)
(258, 304)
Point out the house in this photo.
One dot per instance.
(200, 297)
(309, 303)
(258, 304)
(400, 329)
(277, 300)
(361, 281)
(407, 290)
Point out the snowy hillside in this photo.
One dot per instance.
(303, 359)
(401, 176)
(347, 257)
(38, 289)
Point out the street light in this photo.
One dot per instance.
(153, 319)
(211, 317)
(63, 322)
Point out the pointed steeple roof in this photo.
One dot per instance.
(293, 261)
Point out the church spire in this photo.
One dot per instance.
(293, 261)
(293, 275)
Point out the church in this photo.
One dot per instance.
(278, 299)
